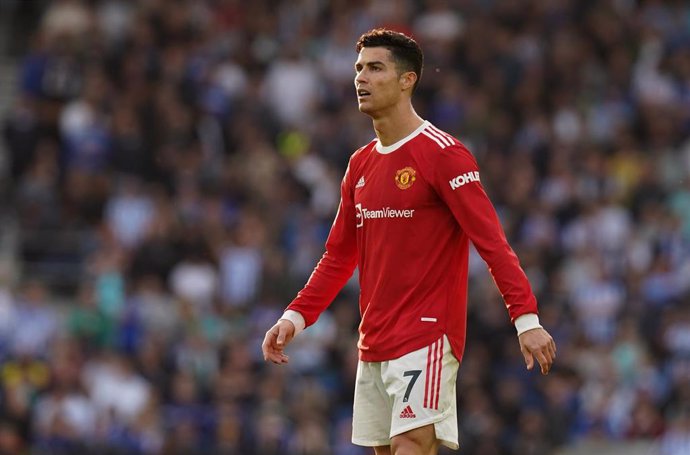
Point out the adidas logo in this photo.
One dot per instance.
(360, 183)
(407, 413)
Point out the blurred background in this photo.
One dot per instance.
(169, 171)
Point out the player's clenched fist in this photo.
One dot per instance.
(276, 339)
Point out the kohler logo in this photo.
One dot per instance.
(462, 179)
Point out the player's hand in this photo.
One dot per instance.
(275, 341)
(538, 343)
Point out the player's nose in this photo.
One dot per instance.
(359, 79)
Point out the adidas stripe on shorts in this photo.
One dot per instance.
(399, 395)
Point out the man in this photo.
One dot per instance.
(411, 200)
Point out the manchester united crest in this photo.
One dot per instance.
(405, 177)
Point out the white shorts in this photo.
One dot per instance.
(399, 395)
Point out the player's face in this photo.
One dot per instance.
(377, 81)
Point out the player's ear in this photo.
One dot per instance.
(407, 80)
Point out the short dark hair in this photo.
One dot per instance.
(406, 52)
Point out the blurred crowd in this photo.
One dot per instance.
(175, 168)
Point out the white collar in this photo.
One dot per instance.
(385, 149)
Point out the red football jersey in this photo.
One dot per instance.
(407, 214)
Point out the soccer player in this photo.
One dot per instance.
(411, 201)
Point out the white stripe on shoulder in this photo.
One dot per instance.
(443, 139)
(434, 138)
(443, 133)
(439, 130)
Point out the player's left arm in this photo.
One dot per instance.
(538, 343)
(458, 183)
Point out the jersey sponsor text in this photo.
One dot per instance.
(462, 179)
(385, 212)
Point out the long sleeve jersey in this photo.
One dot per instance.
(407, 214)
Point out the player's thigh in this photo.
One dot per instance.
(420, 441)
(421, 386)
(382, 450)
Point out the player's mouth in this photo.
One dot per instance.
(362, 94)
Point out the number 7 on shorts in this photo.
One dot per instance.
(415, 374)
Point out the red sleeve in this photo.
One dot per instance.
(457, 181)
(336, 265)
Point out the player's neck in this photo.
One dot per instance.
(396, 125)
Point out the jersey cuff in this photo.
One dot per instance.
(527, 322)
(296, 318)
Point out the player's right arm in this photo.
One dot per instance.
(329, 276)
